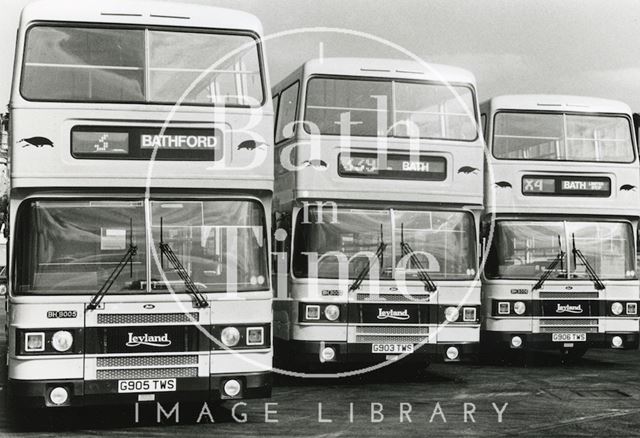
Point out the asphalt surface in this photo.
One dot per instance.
(598, 395)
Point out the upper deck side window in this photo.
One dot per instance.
(562, 137)
(134, 65)
(383, 107)
(287, 108)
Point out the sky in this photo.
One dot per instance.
(581, 47)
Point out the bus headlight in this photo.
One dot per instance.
(519, 307)
(332, 312)
(59, 395)
(62, 340)
(451, 314)
(616, 308)
(232, 388)
(230, 336)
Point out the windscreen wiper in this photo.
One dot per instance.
(552, 267)
(422, 273)
(365, 270)
(166, 251)
(127, 258)
(597, 283)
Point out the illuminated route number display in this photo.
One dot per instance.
(392, 166)
(534, 185)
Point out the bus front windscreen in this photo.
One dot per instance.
(72, 246)
(562, 137)
(381, 108)
(334, 244)
(525, 249)
(136, 65)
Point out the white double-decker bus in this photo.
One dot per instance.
(139, 267)
(379, 187)
(562, 189)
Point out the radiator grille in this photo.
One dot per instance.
(569, 325)
(375, 339)
(399, 298)
(146, 318)
(568, 329)
(392, 335)
(152, 373)
(563, 295)
(382, 330)
(146, 361)
(565, 322)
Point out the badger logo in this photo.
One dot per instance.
(36, 141)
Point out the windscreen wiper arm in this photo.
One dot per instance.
(166, 251)
(127, 258)
(423, 275)
(365, 270)
(597, 283)
(552, 267)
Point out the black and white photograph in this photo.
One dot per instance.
(298, 218)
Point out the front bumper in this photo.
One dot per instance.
(543, 341)
(34, 393)
(309, 352)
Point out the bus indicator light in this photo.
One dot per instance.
(632, 308)
(255, 335)
(34, 342)
(312, 312)
(504, 308)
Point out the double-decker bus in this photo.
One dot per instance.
(139, 205)
(379, 186)
(561, 218)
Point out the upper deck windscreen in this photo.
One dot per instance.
(135, 65)
(378, 108)
(562, 137)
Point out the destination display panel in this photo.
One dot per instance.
(135, 143)
(392, 166)
(562, 185)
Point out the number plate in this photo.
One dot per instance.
(147, 385)
(569, 337)
(392, 348)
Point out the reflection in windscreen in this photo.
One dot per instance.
(356, 234)
(442, 241)
(221, 244)
(73, 246)
(557, 136)
(391, 108)
(113, 65)
(524, 249)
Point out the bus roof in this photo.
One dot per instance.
(142, 12)
(388, 68)
(556, 102)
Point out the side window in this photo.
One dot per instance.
(286, 113)
(483, 120)
(281, 252)
(275, 100)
